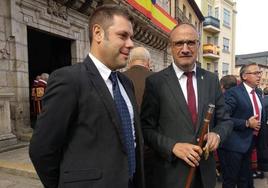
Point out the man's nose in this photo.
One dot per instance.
(185, 49)
(129, 43)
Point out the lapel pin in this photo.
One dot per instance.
(202, 77)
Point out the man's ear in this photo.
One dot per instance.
(98, 33)
(244, 76)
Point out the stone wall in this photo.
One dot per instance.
(15, 17)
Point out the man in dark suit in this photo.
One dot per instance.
(245, 106)
(138, 70)
(173, 110)
(83, 138)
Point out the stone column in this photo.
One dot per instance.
(7, 138)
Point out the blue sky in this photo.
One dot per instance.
(251, 26)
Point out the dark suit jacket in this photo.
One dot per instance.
(77, 142)
(166, 121)
(263, 141)
(240, 108)
(137, 74)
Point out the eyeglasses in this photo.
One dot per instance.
(256, 73)
(189, 43)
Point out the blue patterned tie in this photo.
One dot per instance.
(122, 109)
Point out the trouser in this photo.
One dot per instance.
(236, 169)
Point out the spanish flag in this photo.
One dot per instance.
(155, 13)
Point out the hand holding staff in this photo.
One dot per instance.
(201, 141)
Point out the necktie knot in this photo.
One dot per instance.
(189, 74)
(252, 91)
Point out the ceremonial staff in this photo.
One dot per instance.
(201, 141)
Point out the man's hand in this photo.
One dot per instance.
(254, 123)
(188, 152)
(213, 141)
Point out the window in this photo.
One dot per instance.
(208, 66)
(225, 68)
(225, 45)
(165, 4)
(216, 68)
(184, 10)
(209, 10)
(209, 40)
(217, 12)
(190, 17)
(216, 41)
(226, 17)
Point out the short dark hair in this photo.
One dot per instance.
(244, 69)
(228, 81)
(103, 15)
(265, 91)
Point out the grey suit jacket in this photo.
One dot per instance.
(77, 141)
(166, 121)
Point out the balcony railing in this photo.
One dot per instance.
(211, 51)
(180, 16)
(211, 24)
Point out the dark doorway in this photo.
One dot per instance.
(46, 53)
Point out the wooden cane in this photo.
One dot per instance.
(201, 141)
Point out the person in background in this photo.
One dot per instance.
(138, 69)
(227, 82)
(244, 104)
(89, 134)
(175, 102)
(265, 99)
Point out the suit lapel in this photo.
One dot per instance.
(201, 92)
(246, 96)
(105, 95)
(174, 85)
(259, 94)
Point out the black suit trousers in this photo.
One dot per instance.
(236, 169)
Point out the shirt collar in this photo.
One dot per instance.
(248, 88)
(180, 72)
(103, 69)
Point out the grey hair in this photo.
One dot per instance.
(135, 54)
(44, 76)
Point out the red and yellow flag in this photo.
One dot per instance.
(154, 12)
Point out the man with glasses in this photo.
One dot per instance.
(174, 105)
(245, 106)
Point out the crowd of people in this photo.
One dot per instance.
(100, 127)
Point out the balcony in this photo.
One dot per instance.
(211, 24)
(211, 51)
(180, 16)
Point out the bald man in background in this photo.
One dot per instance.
(138, 70)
